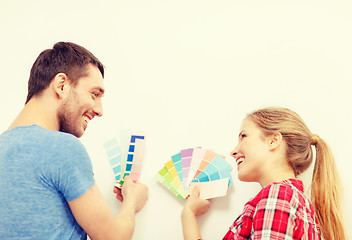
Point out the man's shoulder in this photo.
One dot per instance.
(40, 132)
(59, 140)
(60, 136)
(35, 135)
(63, 147)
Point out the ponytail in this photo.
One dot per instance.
(326, 190)
(326, 193)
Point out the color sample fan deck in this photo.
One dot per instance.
(192, 165)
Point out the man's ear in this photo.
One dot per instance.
(274, 140)
(60, 85)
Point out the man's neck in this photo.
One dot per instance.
(37, 111)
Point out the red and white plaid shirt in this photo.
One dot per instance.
(279, 211)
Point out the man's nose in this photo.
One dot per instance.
(98, 109)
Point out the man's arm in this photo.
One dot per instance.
(94, 215)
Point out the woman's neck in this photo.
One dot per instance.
(277, 174)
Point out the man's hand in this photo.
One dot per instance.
(133, 193)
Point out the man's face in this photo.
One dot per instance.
(83, 103)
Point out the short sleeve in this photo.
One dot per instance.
(72, 175)
(242, 226)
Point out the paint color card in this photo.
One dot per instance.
(138, 151)
(178, 165)
(166, 179)
(213, 189)
(132, 150)
(113, 152)
(186, 157)
(218, 168)
(197, 157)
(176, 182)
(208, 157)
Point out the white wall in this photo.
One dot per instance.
(186, 73)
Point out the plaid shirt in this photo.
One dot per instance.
(279, 211)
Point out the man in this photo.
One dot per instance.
(47, 188)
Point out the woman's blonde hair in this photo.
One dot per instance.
(326, 189)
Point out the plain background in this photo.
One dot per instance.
(186, 73)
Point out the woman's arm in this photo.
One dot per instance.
(194, 206)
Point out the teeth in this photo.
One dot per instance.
(239, 161)
(86, 119)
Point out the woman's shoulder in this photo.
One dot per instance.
(290, 190)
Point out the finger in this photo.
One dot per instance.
(118, 193)
(119, 197)
(195, 189)
(117, 190)
(127, 179)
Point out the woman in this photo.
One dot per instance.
(274, 148)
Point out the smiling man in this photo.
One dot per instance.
(47, 187)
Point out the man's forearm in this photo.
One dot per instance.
(125, 221)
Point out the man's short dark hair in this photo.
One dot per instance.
(64, 57)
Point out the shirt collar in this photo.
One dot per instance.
(295, 182)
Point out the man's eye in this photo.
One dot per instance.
(95, 94)
(243, 135)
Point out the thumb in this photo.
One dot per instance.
(195, 189)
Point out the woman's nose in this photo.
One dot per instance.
(234, 152)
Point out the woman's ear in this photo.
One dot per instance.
(274, 140)
(60, 85)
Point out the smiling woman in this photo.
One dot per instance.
(262, 158)
(274, 147)
(326, 191)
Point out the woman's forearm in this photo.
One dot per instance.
(189, 225)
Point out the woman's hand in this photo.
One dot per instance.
(194, 206)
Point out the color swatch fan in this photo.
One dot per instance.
(196, 165)
(132, 165)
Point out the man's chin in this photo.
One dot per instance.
(80, 133)
(77, 134)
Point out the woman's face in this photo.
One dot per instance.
(251, 152)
